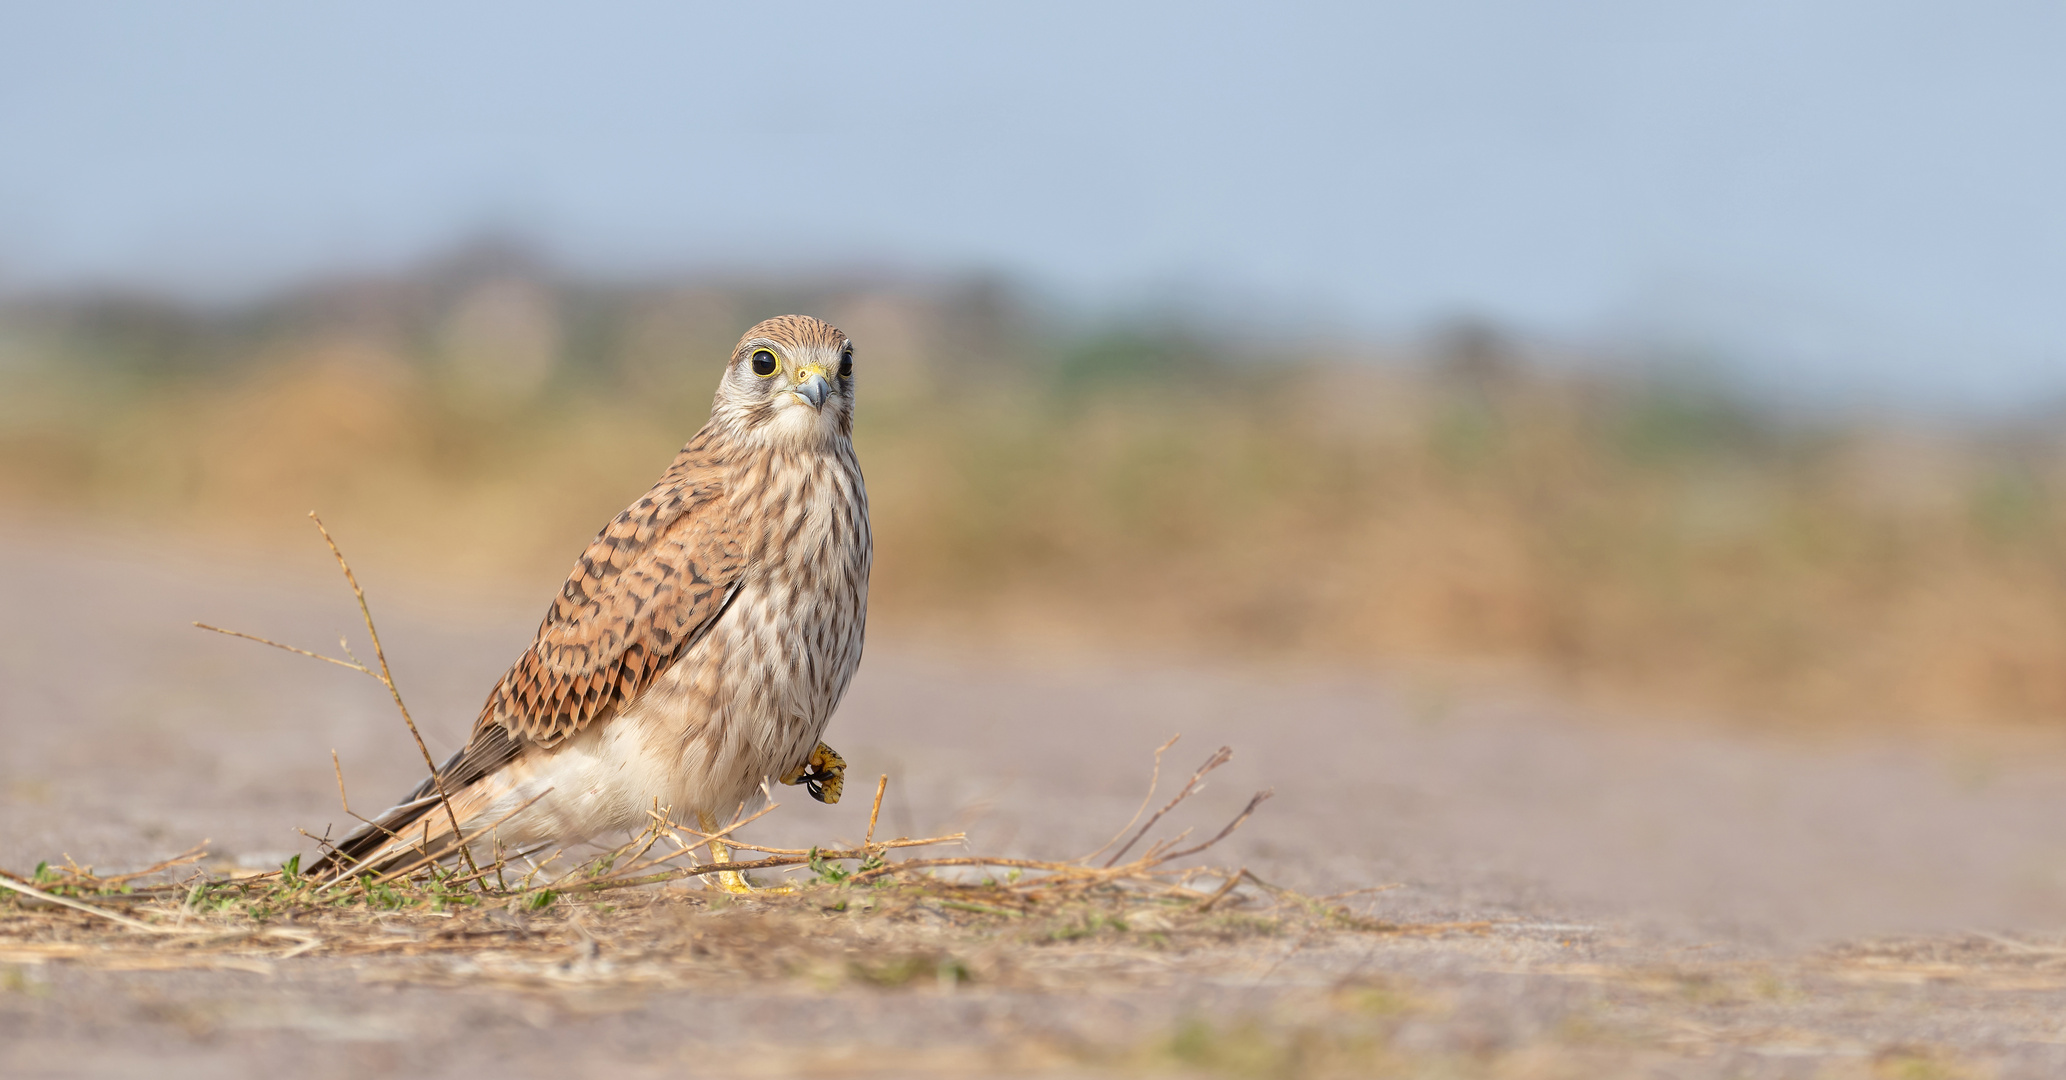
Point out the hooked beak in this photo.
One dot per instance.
(813, 388)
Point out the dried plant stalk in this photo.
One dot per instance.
(387, 679)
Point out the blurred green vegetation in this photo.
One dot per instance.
(1142, 487)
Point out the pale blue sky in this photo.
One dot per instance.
(1861, 196)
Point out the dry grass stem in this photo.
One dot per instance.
(1219, 757)
(387, 679)
(352, 664)
(12, 885)
(1154, 778)
(189, 856)
(1226, 887)
(704, 839)
(875, 811)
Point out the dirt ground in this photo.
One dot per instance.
(1573, 894)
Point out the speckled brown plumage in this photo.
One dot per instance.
(648, 585)
(703, 639)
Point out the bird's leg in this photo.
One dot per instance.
(823, 774)
(733, 881)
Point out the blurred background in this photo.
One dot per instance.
(1705, 357)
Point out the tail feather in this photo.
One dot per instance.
(417, 826)
(409, 830)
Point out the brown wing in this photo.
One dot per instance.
(650, 585)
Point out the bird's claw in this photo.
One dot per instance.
(823, 774)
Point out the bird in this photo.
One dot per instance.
(699, 646)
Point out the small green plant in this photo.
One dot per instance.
(385, 896)
(832, 872)
(208, 897)
(827, 872)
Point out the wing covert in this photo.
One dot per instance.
(649, 586)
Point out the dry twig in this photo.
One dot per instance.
(1154, 778)
(80, 905)
(1219, 757)
(387, 679)
(875, 811)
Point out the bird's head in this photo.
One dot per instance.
(791, 378)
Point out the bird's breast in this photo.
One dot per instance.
(791, 641)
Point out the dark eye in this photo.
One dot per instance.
(763, 362)
(846, 362)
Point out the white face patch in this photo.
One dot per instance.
(795, 419)
(766, 408)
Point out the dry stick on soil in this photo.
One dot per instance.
(80, 905)
(1219, 757)
(502, 861)
(650, 835)
(1070, 873)
(882, 785)
(774, 861)
(1259, 798)
(867, 843)
(500, 864)
(1062, 874)
(322, 842)
(783, 856)
(1220, 893)
(190, 855)
(607, 861)
(387, 679)
(339, 770)
(1058, 869)
(828, 853)
(721, 834)
(1154, 778)
(85, 878)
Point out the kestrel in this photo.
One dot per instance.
(701, 643)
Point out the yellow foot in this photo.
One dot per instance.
(735, 881)
(738, 884)
(823, 774)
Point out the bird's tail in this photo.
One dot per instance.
(415, 830)
(419, 828)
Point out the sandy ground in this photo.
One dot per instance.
(1657, 899)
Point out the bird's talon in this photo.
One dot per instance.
(823, 774)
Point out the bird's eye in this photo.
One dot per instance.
(846, 362)
(763, 363)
